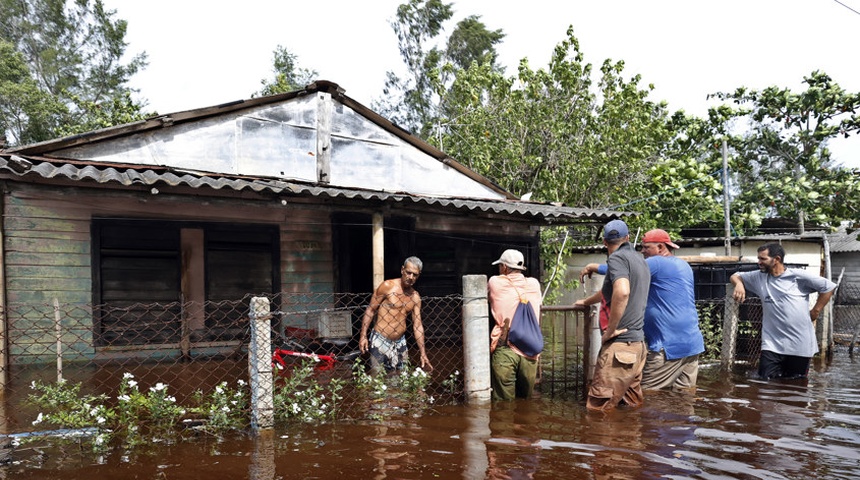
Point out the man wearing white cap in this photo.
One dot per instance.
(513, 373)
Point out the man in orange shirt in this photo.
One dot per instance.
(513, 373)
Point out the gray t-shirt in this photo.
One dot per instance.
(628, 263)
(786, 326)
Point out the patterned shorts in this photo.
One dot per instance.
(391, 354)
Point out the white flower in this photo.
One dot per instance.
(127, 375)
(158, 387)
(456, 373)
(94, 412)
(33, 385)
(225, 409)
(132, 383)
(219, 389)
(234, 402)
(123, 398)
(432, 399)
(241, 382)
(100, 420)
(38, 419)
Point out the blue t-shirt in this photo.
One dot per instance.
(671, 318)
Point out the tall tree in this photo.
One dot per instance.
(74, 53)
(419, 98)
(555, 134)
(558, 136)
(288, 76)
(25, 110)
(783, 165)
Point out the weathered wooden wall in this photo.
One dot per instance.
(48, 252)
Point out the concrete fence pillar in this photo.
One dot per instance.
(260, 365)
(476, 339)
(730, 329)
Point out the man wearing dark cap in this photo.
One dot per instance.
(512, 372)
(618, 373)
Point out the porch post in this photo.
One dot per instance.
(378, 251)
(260, 365)
(476, 339)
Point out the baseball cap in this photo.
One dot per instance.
(658, 236)
(614, 230)
(513, 259)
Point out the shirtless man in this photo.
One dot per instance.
(393, 301)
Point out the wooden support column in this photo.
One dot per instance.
(378, 251)
(324, 125)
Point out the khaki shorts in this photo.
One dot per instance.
(679, 374)
(617, 376)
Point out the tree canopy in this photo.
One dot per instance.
(782, 164)
(74, 77)
(288, 75)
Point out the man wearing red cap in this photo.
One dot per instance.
(671, 319)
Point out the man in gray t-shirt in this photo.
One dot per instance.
(618, 372)
(788, 332)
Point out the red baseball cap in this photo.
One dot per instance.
(658, 236)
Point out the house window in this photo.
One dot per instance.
(158, 282)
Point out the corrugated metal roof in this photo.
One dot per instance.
(845, 242)
(147, 175)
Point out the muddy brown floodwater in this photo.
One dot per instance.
(734, 427)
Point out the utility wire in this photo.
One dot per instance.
(846, 6)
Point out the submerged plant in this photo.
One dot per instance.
(62, 406)
(300, 396)
(225, 408)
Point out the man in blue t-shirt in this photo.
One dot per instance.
(671, 319)
(787, 328)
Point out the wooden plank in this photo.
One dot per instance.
(712, 259)
(52, 271)
(47, 259)
(46, 245)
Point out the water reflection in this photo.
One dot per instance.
(732, 427)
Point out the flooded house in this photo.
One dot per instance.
(156, 230)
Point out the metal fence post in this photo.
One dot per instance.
(730, 329)
(476, 339)
(260, 365)
(593, 342)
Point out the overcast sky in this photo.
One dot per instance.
(203, 53)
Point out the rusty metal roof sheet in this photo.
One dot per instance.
(147, 175)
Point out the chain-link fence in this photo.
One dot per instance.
(846, 314)
(192, 348)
